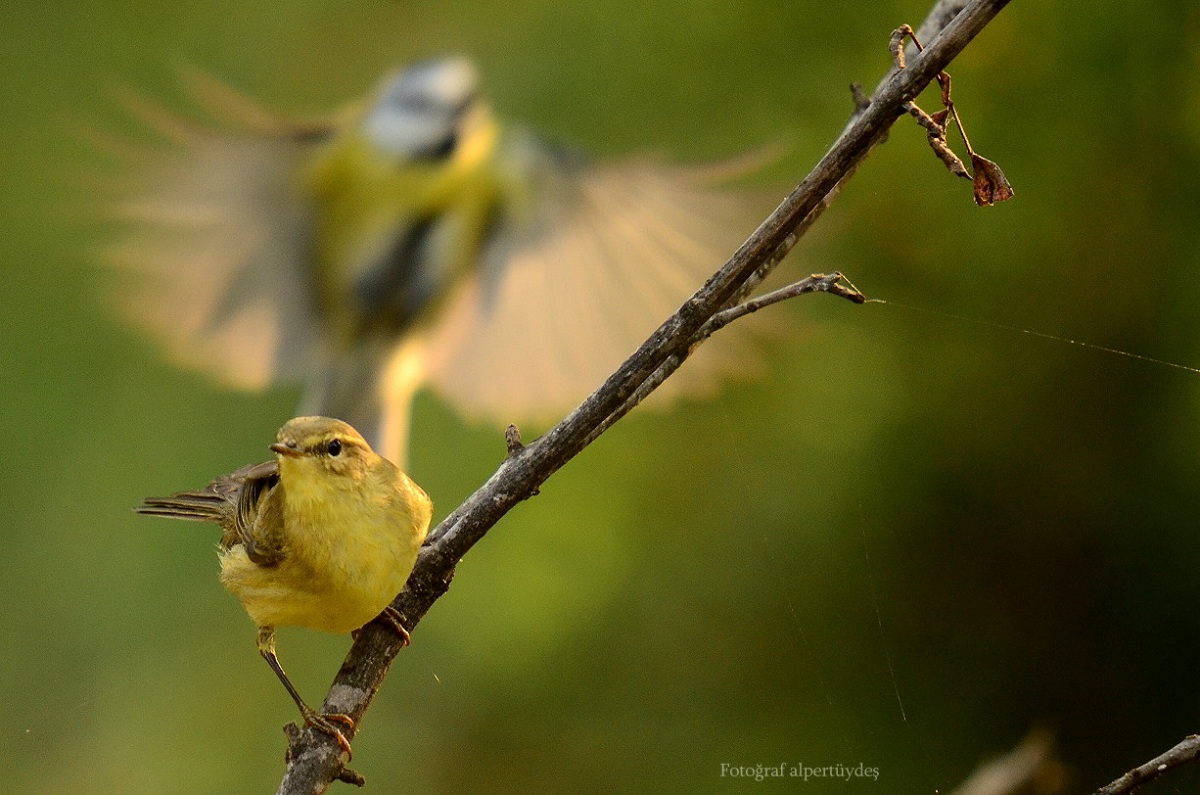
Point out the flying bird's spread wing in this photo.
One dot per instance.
(577, 277)
(217, 241)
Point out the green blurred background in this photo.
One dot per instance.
(913, 540)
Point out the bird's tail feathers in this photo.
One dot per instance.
(198, 506)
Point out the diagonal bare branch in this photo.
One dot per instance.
(313, 760)
(1188, 750)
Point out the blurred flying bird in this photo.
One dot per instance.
(412, 240)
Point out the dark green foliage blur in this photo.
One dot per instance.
(908, 542)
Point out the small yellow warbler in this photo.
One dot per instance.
(414, 239)
(322, 537)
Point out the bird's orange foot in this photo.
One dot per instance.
(391, 618)
(326, 722)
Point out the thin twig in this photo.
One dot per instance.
(1186, 751)
(313, 760)
(817, 283)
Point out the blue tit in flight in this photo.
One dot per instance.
(411, 241)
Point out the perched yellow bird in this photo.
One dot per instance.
(323, 537)
(414, 240)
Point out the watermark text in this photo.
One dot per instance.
(796, 770)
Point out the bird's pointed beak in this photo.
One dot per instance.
(287, 449)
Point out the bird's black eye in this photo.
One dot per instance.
(334, 448)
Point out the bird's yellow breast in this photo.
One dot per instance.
(348, 550)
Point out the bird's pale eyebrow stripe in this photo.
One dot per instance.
(321, 445)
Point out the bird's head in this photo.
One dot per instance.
(431, 111)
(309, 448)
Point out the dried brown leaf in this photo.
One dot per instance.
(943, 79)
(991, 186)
